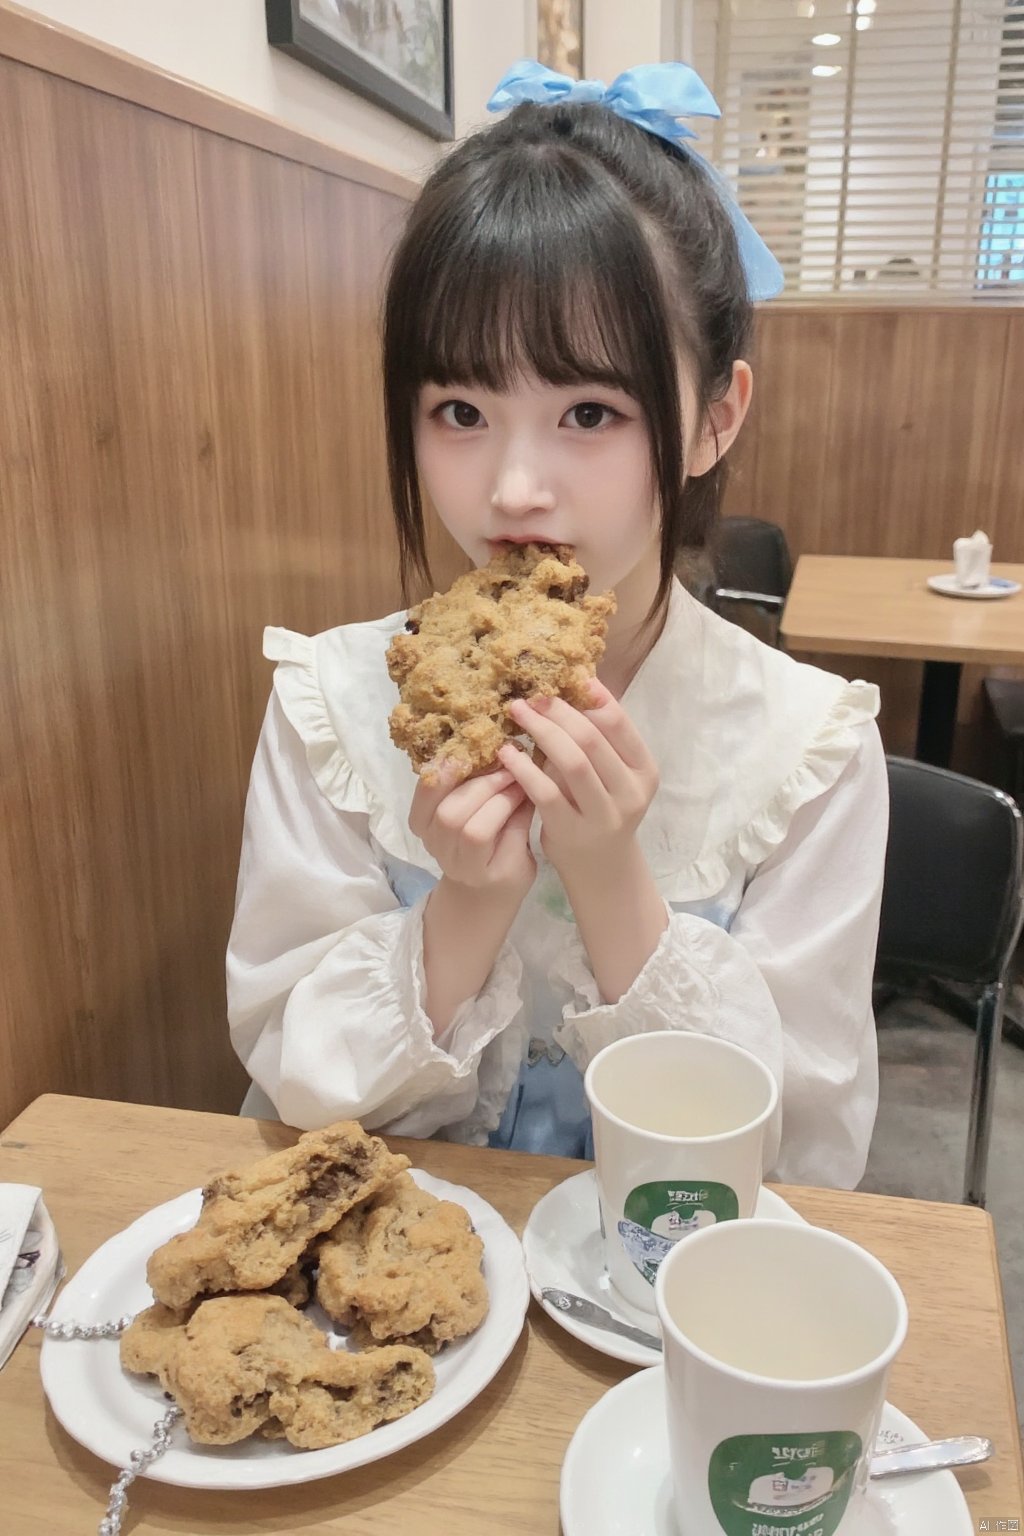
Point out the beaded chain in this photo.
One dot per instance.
(117, 1504)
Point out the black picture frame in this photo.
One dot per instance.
(294, 34)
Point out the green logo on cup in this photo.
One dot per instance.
(783, 1485)
(655, 1216)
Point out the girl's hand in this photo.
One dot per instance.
(597, 782)
(478, 831)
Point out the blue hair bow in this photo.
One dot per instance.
(655, 96)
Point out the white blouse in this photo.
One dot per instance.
(766, 839)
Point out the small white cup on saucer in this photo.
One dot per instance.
(679, 1126)
(972, 560)
(778, 1341)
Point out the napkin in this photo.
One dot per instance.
(28, 1260)
(971, 558)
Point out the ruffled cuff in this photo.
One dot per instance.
(459, 1084)
(673, 985)
(356, 1043)
(476, 1021)
(486, 1040)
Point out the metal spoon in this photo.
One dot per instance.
(589, 1312)
(930, 1456)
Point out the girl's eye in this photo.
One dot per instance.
(589, 415)
(459, 413)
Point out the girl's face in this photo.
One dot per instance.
(561, 464)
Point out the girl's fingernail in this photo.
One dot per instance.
(541, 704)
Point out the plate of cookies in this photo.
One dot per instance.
(308, 1313)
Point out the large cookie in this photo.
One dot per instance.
(256, 1224)
(243, 1365)
(147, 1342)
(521, 626)
(404, 1267)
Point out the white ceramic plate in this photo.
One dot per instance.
(616, 1479)
(998, 586)
(562, 1244)
(112, 1413)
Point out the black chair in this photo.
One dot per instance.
(952, 906)
(1005, 696)
(752, 570)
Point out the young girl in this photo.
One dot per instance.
(566, 327)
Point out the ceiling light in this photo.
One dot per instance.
(867, 7)
(863, 22)
(827, 39)
(825, 71)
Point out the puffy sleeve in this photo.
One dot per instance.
(790, 980)
(325, 968)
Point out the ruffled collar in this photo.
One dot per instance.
(743, 735)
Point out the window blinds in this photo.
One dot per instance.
(877, 145)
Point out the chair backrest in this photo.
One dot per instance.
(953, 892)
(751, 555)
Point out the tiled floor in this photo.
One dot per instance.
(925, 1061)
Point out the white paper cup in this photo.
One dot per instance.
(679, 1124)
(778, 1341)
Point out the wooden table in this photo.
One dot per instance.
(495, 1467)
(848, 605)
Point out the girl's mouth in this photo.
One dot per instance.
(531, 538)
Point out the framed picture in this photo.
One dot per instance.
(397, 53)
(560, 36)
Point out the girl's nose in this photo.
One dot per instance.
(519, 488)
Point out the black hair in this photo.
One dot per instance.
(570, 243)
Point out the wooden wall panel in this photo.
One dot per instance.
(105, 425)
(179, 466)
(350, 232)
(885, 431)
(889, 432)
(258, 328)
(792, 384)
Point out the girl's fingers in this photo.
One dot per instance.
(520, 819)
(449, 804)
(544, 793)
(608, 715)
(512, 843)
(588, 764)
(483, 826)
(556, 777)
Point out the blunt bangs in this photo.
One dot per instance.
(519, 288)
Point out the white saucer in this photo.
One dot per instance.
(616, 1479)
(562, 1246)
(996, 586)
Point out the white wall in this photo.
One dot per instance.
(222, 44)
(618, 35)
